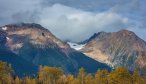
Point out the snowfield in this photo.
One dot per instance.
(4, 28)
(76, 46)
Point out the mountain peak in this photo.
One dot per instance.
(24, 25)
(99, 34)
(127, 35)
(95, 36)
(19, 34)
(122, 48)
(125, 32)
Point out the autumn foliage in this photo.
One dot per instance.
(53, 75)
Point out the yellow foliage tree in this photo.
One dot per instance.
(17, 80)
(49, 75)
(89, 79)
(101, 77)
(5, 73)
(81, 76)
(120, 76)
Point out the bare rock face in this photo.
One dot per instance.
(19, 34)
(121, 48)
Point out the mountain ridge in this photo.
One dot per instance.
(40, 47)
(122, 48)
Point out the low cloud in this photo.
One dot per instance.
(13, 11)
(77, 22)
(76, 25)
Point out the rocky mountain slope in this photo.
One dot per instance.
(37, 45)
(122, 48)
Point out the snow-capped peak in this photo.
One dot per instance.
(76, 46)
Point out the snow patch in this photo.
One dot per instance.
(7, 38)
(4, 28)
(76, 46)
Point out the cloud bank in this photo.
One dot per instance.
(76, 25)
(70, 21)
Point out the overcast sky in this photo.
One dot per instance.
(77, 20)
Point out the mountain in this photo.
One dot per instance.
(122, 48)
(21, 66)
(38, 46)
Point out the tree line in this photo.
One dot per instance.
(53, 75)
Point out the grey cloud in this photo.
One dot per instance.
(77, 25)
(88, 5)
(26, 16)
(10, 8)
(77, 20)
